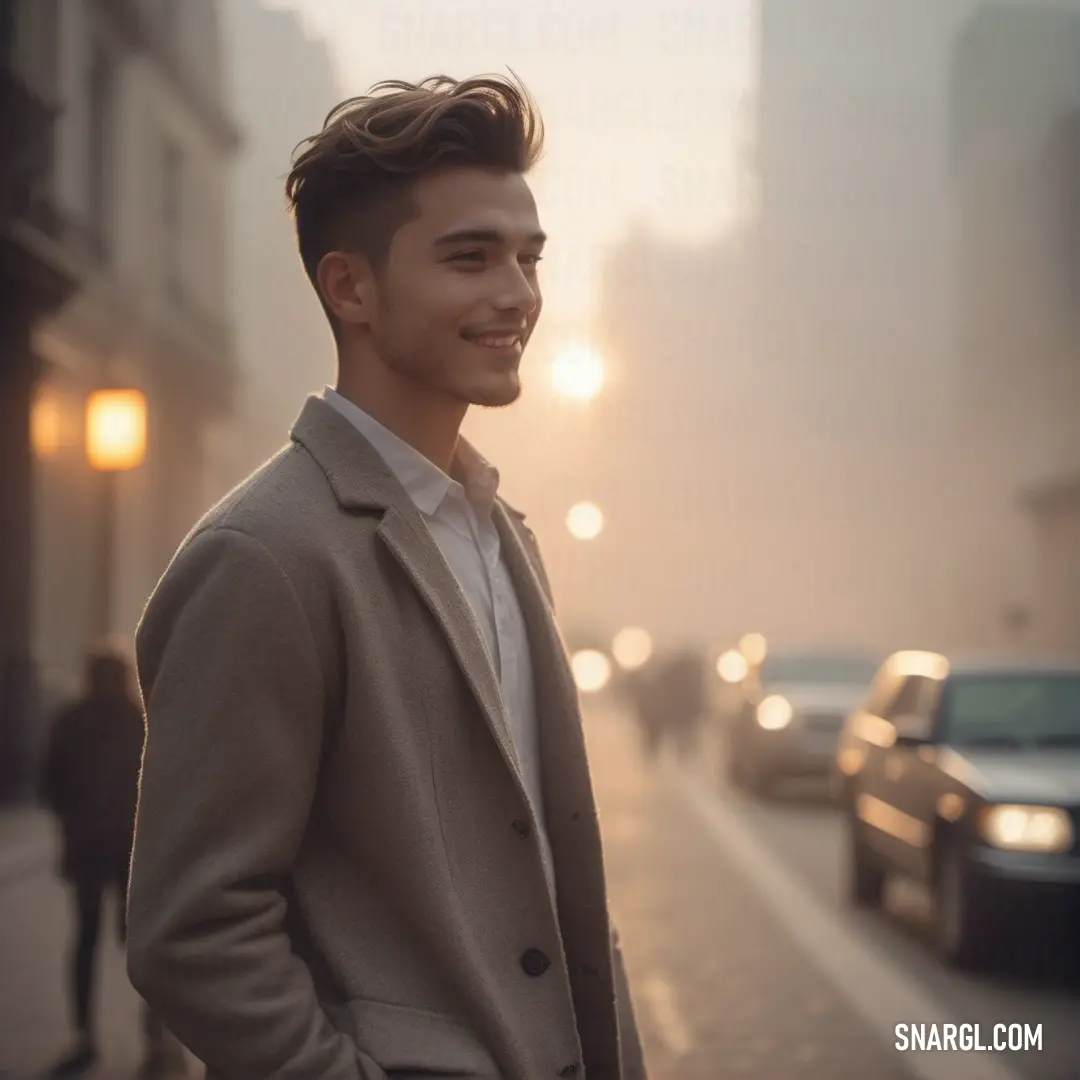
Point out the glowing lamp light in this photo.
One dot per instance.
(754, 647)
(632, 648)
(775, 713)
(116, 430)
(592, 670)
(732, 666)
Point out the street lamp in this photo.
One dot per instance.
(585, 521)
(115, 442)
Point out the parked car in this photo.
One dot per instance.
(789, 714)
(965, 776)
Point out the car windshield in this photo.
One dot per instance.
(1013, 710)
(807, 670)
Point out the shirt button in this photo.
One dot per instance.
(534, 963)
(521, 828)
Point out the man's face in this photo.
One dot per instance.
(458, 296)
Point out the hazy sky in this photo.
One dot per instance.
(762, 447)
(626, 88)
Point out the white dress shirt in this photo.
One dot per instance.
(459, 518)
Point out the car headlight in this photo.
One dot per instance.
(775, 713)
(1027, 828)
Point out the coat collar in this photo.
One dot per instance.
(357, 474)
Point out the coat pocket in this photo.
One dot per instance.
(410, 1043)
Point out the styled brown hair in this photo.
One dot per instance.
(350, 188)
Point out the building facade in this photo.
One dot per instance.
(142, 145)
(819, 369)
(284, 347)
(39, 270)
(1016, 151)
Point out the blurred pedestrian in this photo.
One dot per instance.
(686, 702)
(89, 779)
(669, 704)
(646, 702)
(367, 843)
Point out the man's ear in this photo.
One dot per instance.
(347, 286)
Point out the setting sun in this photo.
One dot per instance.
(579, 372)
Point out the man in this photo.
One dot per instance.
(367, 845)
(90, 779)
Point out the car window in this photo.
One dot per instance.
(818, 669)
(1031, 709)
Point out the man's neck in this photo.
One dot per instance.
(428, 421)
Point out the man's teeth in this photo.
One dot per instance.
(503, 342)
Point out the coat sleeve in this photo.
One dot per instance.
(633, 1057)
(233, 693)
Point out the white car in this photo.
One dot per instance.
(791, 713)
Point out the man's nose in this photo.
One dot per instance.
(517, 292)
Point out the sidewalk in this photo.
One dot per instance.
(27, 842)
(36, 927)
(719, 987)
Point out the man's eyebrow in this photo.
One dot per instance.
(484, 236)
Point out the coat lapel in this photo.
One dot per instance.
(361, 481)
(411, 544)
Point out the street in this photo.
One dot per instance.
(743, 961)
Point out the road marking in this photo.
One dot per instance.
(873, 987)
(660, 998)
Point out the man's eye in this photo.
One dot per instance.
(532, 260)
(469, 256)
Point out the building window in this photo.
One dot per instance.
(101, 135)
(172, 214)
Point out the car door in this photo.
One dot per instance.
(909, 771)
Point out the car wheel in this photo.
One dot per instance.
(964, 934)
(866, 875)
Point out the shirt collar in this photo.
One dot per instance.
(424, 482)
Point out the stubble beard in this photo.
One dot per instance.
(432, 375)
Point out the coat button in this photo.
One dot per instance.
(534, 963)
(570, 1070)
(521, 828)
